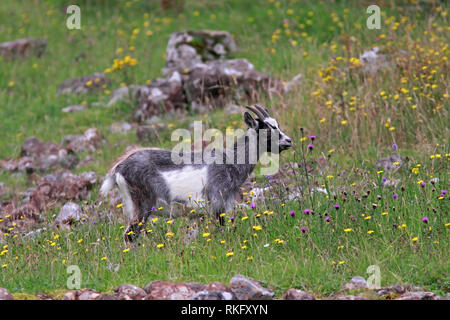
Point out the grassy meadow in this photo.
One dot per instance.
(315, 243)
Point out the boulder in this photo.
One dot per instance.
(127, 94)
(86, 84)
(387, 163)
(23, 48)
(248, 289)
(83, 294)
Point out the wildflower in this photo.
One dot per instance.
(250, 258)
(292, 213)
(303, 229)
(206, 234)
(384, 213)
(119, 205)
(425, 219)
(170, 234)
(370, 232)
(422, 184)
(126, 250)
(312, 138)
(310, 146)
(160, 245)
(348, 230)
(257, 228)
(394, 196)
(103, 259)
(229, 254)
(415, 239)
(252, 205)
(244, 218)
(327, 219)
(336, 206)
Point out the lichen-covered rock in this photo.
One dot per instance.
(249, 289)
(86, 84)
(23, 48)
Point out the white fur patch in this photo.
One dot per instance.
(107, 186)
(128, 205)
(186, 184)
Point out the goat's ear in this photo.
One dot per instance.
(252, 123)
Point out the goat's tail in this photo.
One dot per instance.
(117, 179)
(108, 185)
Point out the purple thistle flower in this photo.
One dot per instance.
(394, 196)
(307, 211)
(425, 219)
(310, 146)
(443, 191)
(252, 205)
(423, 184)
(312, 138)
(303, 229)
(232, 218)
(384, 179)
(336, 206)
(292, 213)
(394, 224)
(327, 219)
(394, 147)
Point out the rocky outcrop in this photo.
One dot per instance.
(249, 289)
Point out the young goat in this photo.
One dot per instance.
(145, 176)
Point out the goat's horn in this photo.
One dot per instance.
(257, 112)
(263, 110)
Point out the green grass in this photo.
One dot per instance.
(354, 128)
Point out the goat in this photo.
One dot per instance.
(144, 176)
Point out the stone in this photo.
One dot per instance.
(68, 214)
(373, 60)
(351, 297)
(22, 48)
(212, 295)
(130, 292)
(357, 282)
(75, 108)
(232, 109)
(121, 127)
(38, 155)
(295, 294)
(127, 94)
(248, 289)
(188, 48)
(5, 295)
(419, 295)
(397, 289)
(162, 290)
(86, 84)
(89, 141)
(387, 163)
(161, 95)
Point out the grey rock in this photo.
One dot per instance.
(357, 282)
(5, 295)
(295, 294)
(419, 295)
(68, 214)
(121, 127)
(23, 48)
(388, 165)
(212, 295)
(130, 292)
(75, 108)
(86, 84)
(128, 94)
(248, 289)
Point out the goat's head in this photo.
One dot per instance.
(265, 122)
